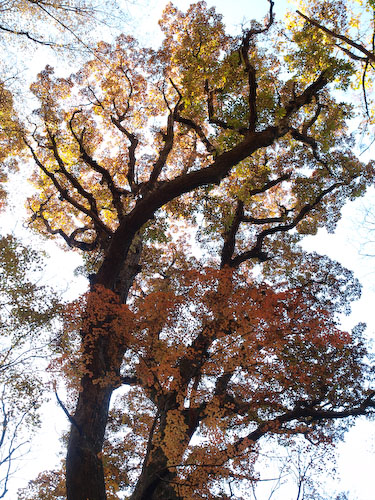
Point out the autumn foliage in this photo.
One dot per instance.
(188, 175)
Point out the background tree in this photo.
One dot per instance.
(11, 143)
(27, 314)
(57, 25)
(27, 25)
(218, 347)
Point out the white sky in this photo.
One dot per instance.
(356, 459)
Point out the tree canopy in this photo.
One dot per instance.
(187, 176)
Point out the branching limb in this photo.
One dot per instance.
(131, 149)
(307, 414)
(168, 138)
(27, 35)
(70, 240)
(106, 176)
(351, 54)
(266, 220)
(309, 123)
(64, 194)
(239, 216)
(250, 69)
(71, 178)
(310, 141)
(122, 116)
(70, 417)
(369, 55)
(230, 235)
(367, 58)
(306, 97)
(364, 88)
(9, 438)
(67, 28)
(212, 118)
(198, 130)
(257, 252)
(302, 137)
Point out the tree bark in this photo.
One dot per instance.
(84, 467)
(156, 480)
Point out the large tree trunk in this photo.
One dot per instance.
(84, 468)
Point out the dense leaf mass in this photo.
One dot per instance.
(188, 175)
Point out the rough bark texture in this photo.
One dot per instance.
(84, 468)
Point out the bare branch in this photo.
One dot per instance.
(27, 35)
(70, 417)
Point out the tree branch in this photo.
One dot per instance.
(305, 414)
(256, 251)
(67, 197)
(70, 417)
(70, 240)
(131, 149)
(27, 35)
(106, 176)
(219, 169)
(198, 130)
(211, 111)
(369, 55)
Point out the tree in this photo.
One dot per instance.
(11, 143)
(54, 24)
(222, 138)
(27, 313)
